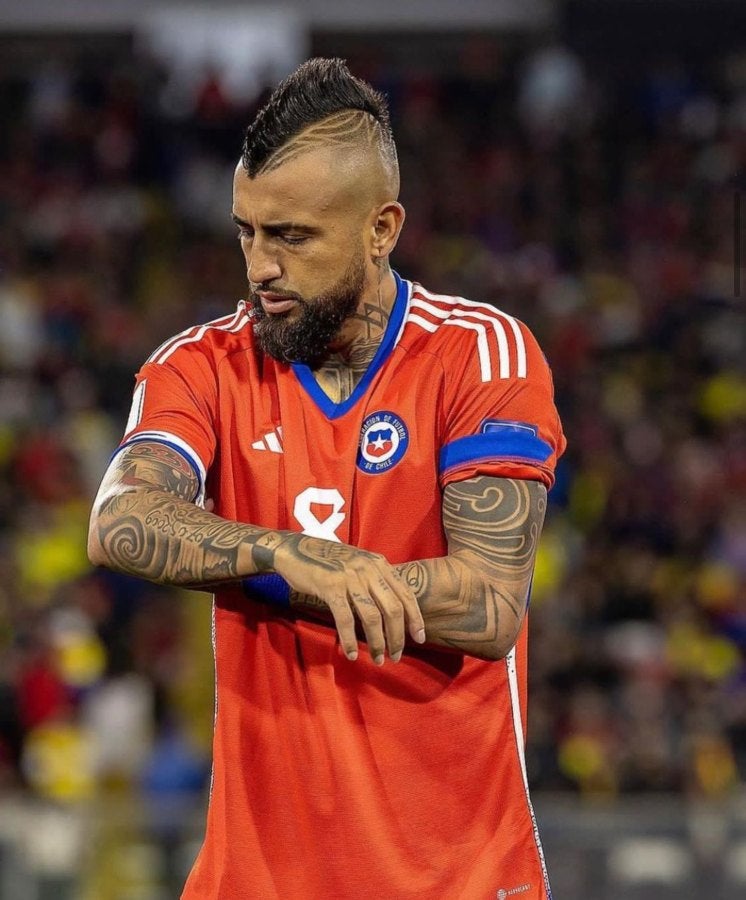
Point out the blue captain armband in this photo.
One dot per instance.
(268, 588)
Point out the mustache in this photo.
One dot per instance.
(255, 287)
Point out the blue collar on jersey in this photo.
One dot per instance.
(333, 410)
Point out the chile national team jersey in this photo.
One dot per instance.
(335, 779)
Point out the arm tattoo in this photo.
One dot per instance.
(149, 463)
(475, 598)
(145, 524)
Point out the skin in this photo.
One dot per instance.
(301, 222)
(336, 202)
(472, 600)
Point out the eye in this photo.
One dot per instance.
(244, 233)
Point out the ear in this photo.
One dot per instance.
(386, 226)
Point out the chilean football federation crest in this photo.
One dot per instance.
(383, 441)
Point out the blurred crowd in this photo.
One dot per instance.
(600, 211)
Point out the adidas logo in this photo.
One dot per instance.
(271, 441)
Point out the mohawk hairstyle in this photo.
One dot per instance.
(318, 89)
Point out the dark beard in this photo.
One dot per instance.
(306, 339)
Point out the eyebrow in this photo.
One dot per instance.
(277, 226)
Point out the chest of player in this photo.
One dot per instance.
(288, 457)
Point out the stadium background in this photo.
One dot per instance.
(580, 165)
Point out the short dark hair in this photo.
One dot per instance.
(317, 89)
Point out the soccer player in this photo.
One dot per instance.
(375, 459)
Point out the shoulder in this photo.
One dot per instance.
(207, 342)
(466, 333)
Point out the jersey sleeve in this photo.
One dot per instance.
(175, 403)
(499, 411)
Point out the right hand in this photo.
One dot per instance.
(353, 582)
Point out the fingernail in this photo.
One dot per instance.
(396, 657)
(352, 655)
(378, 660)
(420, 636)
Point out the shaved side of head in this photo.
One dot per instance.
(323, 106)
(351, 132)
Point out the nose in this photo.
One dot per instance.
(261, 264)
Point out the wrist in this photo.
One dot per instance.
(283, 552)
(258, 555)
(270, 588)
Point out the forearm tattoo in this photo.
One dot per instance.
(476, 596)
(147, 525)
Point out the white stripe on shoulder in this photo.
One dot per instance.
(190, 453)
(520, 344)
(460, 306)
(234, 322)
(138, 401)
(406, 312)
(187, 331)
(485, 366)
(448, 316)
(423, 323)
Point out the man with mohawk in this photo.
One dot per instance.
(376, 459)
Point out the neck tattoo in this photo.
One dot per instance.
(341, 372)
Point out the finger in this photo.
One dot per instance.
(344, 622)
(392, 612)
(393, 621)
(406, 597)
(370, 618)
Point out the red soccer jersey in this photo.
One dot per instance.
(339, 779)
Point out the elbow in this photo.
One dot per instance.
(95, 549)
(497, 649)
(508, 622)
(491, 651)
(505, 619)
